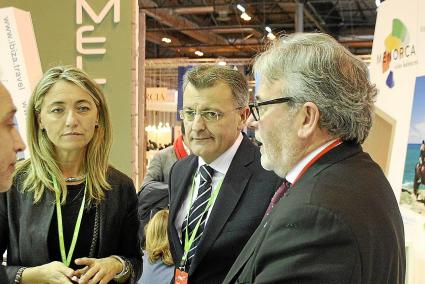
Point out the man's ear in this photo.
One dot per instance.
(244, 113)
(310, 116)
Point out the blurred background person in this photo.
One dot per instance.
(11, 144)
(153, 195)
(69, 214)
(157, 261)
(159, 167)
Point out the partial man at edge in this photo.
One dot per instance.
(11, 144)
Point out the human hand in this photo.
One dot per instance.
(53, 273)
(97, 270)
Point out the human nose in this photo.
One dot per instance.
(198, 122)
(251, 123)
(18, 144)
(254, 125)
(71, 119)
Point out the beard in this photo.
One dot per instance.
(280, 151)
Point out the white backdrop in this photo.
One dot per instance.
(400, 32)
(20, 66)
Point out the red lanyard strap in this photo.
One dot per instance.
(316, 157)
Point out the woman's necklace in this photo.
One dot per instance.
(74, 179)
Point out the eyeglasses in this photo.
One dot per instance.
(207, 115)
(255, 107)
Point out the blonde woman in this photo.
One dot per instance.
(157, 261)
(69, 217)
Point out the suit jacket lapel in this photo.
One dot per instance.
(181, 191)
(248, 250)
(233, 186)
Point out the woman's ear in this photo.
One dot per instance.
(40, 123)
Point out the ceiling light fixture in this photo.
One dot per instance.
(199, 53)
(240, 8)
(270, 35)
(246, 17)
(166, 40)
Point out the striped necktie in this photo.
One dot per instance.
(197, 210)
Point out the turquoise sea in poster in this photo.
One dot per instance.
(416, 133)
(412, 157)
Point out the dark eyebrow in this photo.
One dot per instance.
(83, 101)
(57, 103)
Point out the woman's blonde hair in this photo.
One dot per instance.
(41, 167)
(157, 246)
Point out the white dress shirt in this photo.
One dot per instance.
(220, 166)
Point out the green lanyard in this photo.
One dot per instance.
(67, 259)
(188, 241)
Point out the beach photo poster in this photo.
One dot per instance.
(413, 188)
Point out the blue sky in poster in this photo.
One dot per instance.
(417, 122)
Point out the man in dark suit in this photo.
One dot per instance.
(335, 219)
(222, 187)
(11, 144)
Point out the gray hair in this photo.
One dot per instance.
(206, 76)
(314, 67)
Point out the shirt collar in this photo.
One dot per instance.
(295, 171)
(222, 163)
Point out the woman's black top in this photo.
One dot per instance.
(70, 212)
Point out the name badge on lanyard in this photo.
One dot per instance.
(181, 277)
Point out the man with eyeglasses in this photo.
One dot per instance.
(219, 194)
(335, 218)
